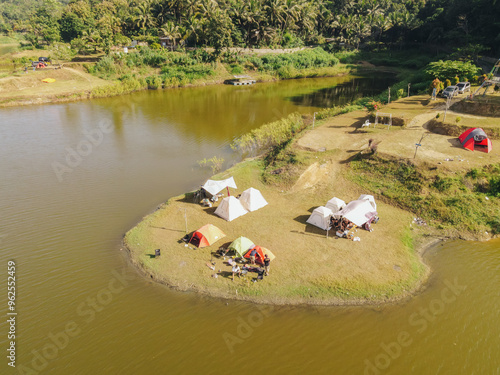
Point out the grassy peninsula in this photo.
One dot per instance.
(303, 172)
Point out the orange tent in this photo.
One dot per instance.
(259, 257)
(206, 235)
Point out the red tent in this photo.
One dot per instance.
(475, 137)
(259, 257)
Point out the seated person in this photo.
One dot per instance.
(236, 270)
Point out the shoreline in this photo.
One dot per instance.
(419, 287)
(87, 94)
(347, 273)
(176, 283)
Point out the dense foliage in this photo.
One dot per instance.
(454, 201)
(470, 27)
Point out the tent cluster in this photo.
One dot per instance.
(231, 207)
(242, 246)
(475, 138)
(336, 213)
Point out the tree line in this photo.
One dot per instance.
(469, 25)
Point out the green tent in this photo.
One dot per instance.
(241, 246)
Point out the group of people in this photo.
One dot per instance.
(236, 270)
(341, 225)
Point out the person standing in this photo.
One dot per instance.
(267, 263)
(252, 256)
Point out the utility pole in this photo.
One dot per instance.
(409, 84)
(389, 96)
(185, 218)
(417, 145)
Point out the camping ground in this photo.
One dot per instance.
(311, 268)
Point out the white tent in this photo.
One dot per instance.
(213, 186)
(358, 212)
(370, 199)
(252, 199)
(335, 204)
(320, 217)
(230, 208)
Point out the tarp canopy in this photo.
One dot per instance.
(241, 245)
(357, 212)
(252, 199)
(320, 217)
(370, 199)
(206, 235)
(213, 186)
(230, 208)
(335, 204)
(475, 137)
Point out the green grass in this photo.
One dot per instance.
(455, 201)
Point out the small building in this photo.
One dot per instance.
(170, 43)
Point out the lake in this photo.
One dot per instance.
(76, 176)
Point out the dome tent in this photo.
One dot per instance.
(206, 235)
(252, 199)
(230, 208)
(335, 204)
(241, 245)
(320, 217)
(475, 137)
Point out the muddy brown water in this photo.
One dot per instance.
(76, 176)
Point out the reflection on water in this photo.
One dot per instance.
(65, 238)
(345, 92)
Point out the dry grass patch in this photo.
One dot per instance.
(309, 268)
(21, 87)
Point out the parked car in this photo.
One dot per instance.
(463, 87)
(450, 91)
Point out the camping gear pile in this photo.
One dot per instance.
(344, 218)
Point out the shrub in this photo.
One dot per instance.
(154, 82)
(286, 72)
(105, 66)
(373, 106)
(450, 69)
(236, 69)
(447, 83)
(270, 135)
(436, 84)
(458, 119)
(214, 163)
(494, 186)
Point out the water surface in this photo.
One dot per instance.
(64, 232)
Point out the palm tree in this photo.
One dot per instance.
(143, 18)
(170, 30)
